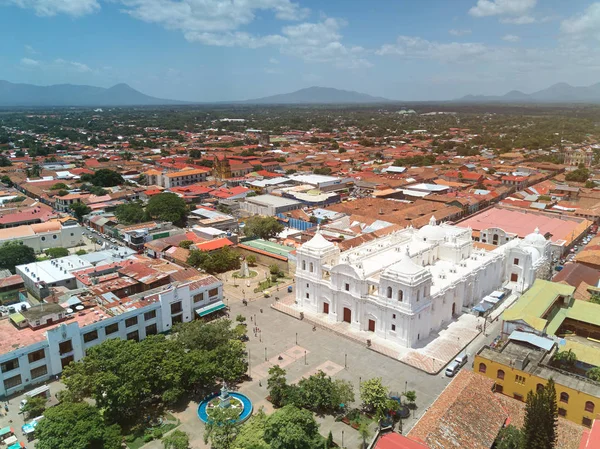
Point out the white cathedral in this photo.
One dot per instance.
(412, 282)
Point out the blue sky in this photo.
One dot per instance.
(211, 50)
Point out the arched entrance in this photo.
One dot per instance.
(347, 315)
(326, 307)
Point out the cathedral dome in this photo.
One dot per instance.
(535, 254)
(535, 238)
(318, 243)
(431, 232)
(405, 269)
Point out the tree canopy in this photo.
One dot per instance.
(126, 377)
(76, 425)
(262, 227)
(104, 177)
(374, 395)
(14, 253)
(130, 213)
(53, 253)
(80, 209)
(541, 418)
(167, 207)
(176, 440)
(218, 261)
(292, 428)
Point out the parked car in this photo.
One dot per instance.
(456, 364)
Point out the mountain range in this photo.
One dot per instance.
(557, 93)
(319, 95)
(12, 94)
(29, 95)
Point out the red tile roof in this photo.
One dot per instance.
(395, 441)
(212, 245)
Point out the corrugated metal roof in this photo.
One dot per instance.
(532, 339)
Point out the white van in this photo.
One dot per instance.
(456, 364)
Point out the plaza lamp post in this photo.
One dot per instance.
(342, 438)
(346, 360)
(249, 364)
(296, 338)
(265, 353)
(305, 357)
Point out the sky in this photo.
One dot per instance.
(221, 50)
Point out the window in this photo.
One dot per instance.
(562, 412)
(520, 379)
(176, 307)
(90, 336)
(213, 292)
(498, 388)
(199, 297)
(500, 374)
(65, 347)
(418, 295)
(152, 329)
(150, 315)
(54, 237)
(539, 387)
(308, 296)
(43, 239)
(12, 382)
(347, 287)
(482, 368)
(394, 316)
(587, 422)
(304, 265)
(177, 319)
(394, 327)
(389, 292)
(400, 295)
(111, 328)
(518, 397)
(36, 355)
(589, 406)
(516, 261)
(564, 397)
(312, 267)
(131, 321)
(135, 335)
(10, 365)
(39, 371)
(307, 285)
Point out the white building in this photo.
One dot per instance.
(269, 205)
(38, 350)
(408, 284)
(41, 236)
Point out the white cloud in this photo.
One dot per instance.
(459, 32)
(418, 48)
(511, 38)
(73, 8)
(521, 20)
(273, 60)
(28, 62)
(485, 8)
(321, 42)
(30, 50)
(198, 17)
(587, 23)
(60, 65)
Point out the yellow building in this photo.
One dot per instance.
(523, 364)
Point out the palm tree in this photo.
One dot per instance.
(364, 432)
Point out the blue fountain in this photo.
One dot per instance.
(225, 399)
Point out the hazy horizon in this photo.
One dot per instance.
(229, 50)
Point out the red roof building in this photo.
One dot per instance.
(396, 441)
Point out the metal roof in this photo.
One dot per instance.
(532, 339)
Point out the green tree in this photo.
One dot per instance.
(292, 428)
(541, 418)
(106, 178)
(53, 253)
(167, 207)
(251, 259)
(222, 428)
(219, 261)
(185, 244)
(322, 394)
(594, 374)
(251, 435)
(59, 186)
(130, 213)
(411, 397)
(262, 227)
(330, 442)
(277, 385)
(6, 180)
(4, 161)
(510, 437)
(80, 210)
(364, 432)
(35, 406)
(581, 174)
(14, 253)
(176, 440)
(195, 154)
(565, 359)
(322, 171)
(374, 395)
(78, 425)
